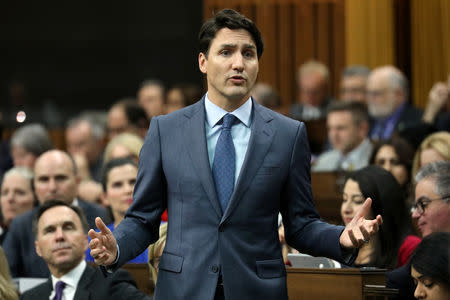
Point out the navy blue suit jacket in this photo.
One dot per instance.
(93, 285)
(242, 243)
(19, 243)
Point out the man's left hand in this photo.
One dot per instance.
(360, 230)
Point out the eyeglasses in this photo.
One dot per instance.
(422, 203)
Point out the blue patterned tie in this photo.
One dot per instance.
(224, 164)
(59, 287)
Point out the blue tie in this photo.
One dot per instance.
(224, 164)
(59, 287)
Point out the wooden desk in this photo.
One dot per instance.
(337, 284)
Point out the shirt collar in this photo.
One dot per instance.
(355, 153)
(73, 277)
(215, 113)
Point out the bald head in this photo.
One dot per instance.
(387, 89)
(55, 177)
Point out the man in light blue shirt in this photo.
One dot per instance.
(224, 168)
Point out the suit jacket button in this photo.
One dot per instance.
(215, 268)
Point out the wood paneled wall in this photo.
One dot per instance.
(293, 31)
(413, 35)
(430, 30)
(369, 32)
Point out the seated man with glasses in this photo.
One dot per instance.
(432, 212)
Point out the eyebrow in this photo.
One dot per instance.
(247, 46)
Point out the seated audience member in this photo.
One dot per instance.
(430, 267)
(437, 112)
(348, 126)
(396, 156)
(182, 95)
(60, 232)
(432, 212)
(267, 96)
(127, 116)
(435, 147)
(151, 96)
(17, 196)
(119, 177)
(393, 244)
(85, 137)
(155, 252)
(124, 145)
(353, 84)
(313, 88)
(387, 100)
(55, 177)
(8, 290)
(27, 143)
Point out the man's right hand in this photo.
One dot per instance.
(103, 244)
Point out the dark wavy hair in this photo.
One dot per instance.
(231, 19)
(431, 257)
(387, 201)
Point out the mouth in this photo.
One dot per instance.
(237, 79)
(129, 200)
(60, 249)
(347, 220)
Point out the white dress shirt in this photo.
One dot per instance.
(71, 280)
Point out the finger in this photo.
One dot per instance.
(93, 234)
(365, 234)
(101, 226)
(379, 220)
(364, 210)
(354, 241)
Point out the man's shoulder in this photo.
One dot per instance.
(327, 161)
(41, 291)
(24, 220)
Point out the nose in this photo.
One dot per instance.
(59, 234)
(8, 197)
(387, 166)
(238, 62)
(52, 185)
(415, 214)
(347, 206)
(419, 292)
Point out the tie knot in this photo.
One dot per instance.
(60, 285)
(228, 121)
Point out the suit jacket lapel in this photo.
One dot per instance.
(195, 142)
(82, 291)
(260, 141)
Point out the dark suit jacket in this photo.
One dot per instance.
(93, 285)
(19, 243)
(242, 243)
(401, 279)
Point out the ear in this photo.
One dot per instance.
(105, 201)
(38, 249)
(202, 63)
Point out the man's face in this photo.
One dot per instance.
(436, 216)
(151, 99)
(117, 121)
(382, 99)
(353, 89)
(312, 89)
(54, 177)
(79, 140)
(231, 67)
(343, 133)
(61, 240)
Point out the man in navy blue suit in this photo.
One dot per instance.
(224, 168)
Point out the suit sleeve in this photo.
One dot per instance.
(11, 246)
(303, 228)
(140, 227)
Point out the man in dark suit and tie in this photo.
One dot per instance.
(55, 177)
(224, 168)
(60, 232)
